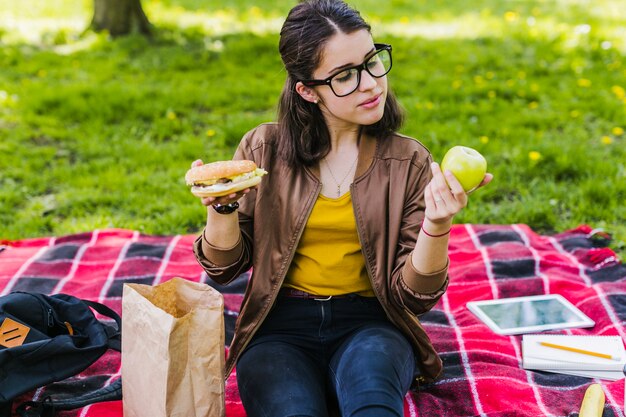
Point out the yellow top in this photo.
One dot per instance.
(328, 260)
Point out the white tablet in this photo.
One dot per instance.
(529, 314)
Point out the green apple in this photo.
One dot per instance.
(467, 165)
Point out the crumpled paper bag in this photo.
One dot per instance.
(172, 350)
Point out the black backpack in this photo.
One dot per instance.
(45, 339)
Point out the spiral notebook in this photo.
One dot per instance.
(567, 360)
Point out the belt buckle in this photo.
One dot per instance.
(323, 299)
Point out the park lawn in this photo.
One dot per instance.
(97, 133)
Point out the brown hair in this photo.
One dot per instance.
(304, 136)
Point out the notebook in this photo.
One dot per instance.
(608, 375)
(538, 357)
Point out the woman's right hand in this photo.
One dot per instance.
(223, 200)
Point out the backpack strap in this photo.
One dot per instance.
(42, 408)
(115, 335)
(48, 407)
(105, 311)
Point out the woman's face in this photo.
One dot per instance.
(364, 106)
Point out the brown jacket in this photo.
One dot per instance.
(388, 201)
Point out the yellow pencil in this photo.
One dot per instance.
(584, 352)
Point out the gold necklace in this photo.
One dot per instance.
(344, 178)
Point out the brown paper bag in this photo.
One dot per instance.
(172, 350)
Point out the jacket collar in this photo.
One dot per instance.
(367, 151)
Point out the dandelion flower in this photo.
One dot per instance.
(574, 114)
(533, 105)
(617, 131)
(456, 84)
(618, 91)
(171, 115)
(534, 156)
(491, 94)
(210, 132)
(583, 82)
(606, 140)
(510, 16)
(404, 20)
(484, 139)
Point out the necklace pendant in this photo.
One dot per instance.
(339, 191)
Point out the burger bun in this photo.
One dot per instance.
(222, 178)
(211, 172)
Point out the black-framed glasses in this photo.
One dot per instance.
(346, 81)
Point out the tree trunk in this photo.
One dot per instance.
(120, 17)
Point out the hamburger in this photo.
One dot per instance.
(223, 178)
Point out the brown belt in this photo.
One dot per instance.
(293, 293)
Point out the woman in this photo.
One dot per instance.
(347, 235)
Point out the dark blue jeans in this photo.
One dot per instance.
(312, 356)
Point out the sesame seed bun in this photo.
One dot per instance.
(210, 173)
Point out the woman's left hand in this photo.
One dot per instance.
(445, 196)
(227, 199)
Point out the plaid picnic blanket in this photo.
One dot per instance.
(482, 374)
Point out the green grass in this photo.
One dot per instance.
(98, 133)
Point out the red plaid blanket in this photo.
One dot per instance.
(482, 374)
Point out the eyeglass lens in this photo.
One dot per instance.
(347, 81)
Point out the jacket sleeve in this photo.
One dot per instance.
(224, 265)
(427, 288)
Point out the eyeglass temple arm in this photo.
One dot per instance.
(312, 83)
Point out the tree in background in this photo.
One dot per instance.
(120, 17)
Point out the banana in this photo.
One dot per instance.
(593, 402)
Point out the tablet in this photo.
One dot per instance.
(529, 314)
